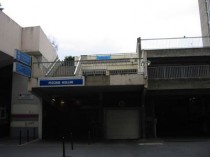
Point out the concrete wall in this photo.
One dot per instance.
(10, 35)
(204, 17)
(35, 42)
(30, 39)
(178, 53)
(26, 108)
(46, 48)
(97, 80)
(179, 84)
(129, 79)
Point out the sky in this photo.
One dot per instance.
(82, 27)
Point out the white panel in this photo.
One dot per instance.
(24, 124)
(25, 109)
(122, 124)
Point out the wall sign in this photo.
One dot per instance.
(21, 69)
(23, 57)
(61, 81)
(22, 65)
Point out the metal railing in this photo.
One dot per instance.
(60, 68)
(175, 43)
(88, 67)
(179, 72)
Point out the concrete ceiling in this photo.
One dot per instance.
(5, 59)
(83, 90)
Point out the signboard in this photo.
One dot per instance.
(23, 57)
(21, 69)
(61, 82)
(108, 57)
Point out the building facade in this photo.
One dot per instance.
(20, 109)
(159, 92)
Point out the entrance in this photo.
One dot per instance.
(182, 115)
(80, 116)
(87, 111)
(5, 97)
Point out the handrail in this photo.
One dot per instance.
(90, 67)
(76, 72)
(51, 67)
(175, 43)
(179, 72)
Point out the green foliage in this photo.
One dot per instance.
(68, 59)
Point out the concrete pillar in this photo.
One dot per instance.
(40, 118)
(101, 113)
(143, 114)
(204, 121)
(154, 119)
(204, 18)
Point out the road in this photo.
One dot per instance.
(156, 148)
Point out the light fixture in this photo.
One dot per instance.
(148, 62)
(62, 102)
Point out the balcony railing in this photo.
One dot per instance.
(87, 67)
(175, 43)
(179, 72)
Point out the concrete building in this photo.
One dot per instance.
(95, 96)
(178, 92)
(149, 93)
(204, 8)
(20, 109)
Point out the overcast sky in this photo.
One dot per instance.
(105, 26)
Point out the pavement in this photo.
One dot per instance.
(141, 148)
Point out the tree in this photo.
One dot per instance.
(54, 42)
(69, 60)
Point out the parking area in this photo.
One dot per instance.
(149, 148)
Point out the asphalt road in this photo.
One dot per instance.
(156, 148)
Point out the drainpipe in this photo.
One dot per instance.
(142, 69)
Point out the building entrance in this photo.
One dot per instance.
(5, 97)
(182, 116)
(83, 117)
(90, 113)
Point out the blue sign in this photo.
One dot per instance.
(61, 82)
(108, 57)
(23, 57)
(22, 69)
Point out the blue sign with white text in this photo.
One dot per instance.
(61, 82)
(108, 57)
(23, 57)
(22, 69)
